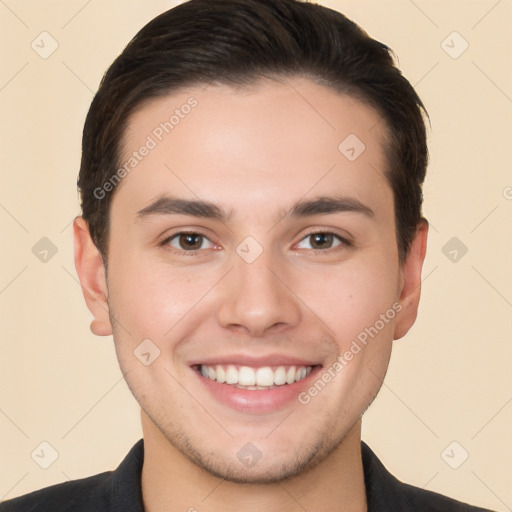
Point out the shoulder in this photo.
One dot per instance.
(427, 501)
(387, 493)
(83, 495)
(118, 490)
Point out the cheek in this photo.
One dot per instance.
(358, 304)
(154, 306)
(152, 298)
(352, 296)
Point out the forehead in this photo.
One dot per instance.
(267, 144)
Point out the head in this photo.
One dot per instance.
(294, 152)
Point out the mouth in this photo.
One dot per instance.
(255, 389)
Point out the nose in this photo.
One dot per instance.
(256, 299)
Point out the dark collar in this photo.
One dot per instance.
(126, 489)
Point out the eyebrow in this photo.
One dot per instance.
(205, 209)
(196, 208)
(323, 205)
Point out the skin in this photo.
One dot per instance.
(253, 152)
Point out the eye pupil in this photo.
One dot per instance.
(190, 241)
(321, 240)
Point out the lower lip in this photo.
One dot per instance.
(257, 401)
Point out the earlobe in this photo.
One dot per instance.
(91, 272)
(411, 281)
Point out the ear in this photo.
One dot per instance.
(411, 281)
(91, 272)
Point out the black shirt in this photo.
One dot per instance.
(120, 491)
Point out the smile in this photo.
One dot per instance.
(247, 377)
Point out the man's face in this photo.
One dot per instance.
(269, 290)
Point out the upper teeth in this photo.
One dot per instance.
(247, 376)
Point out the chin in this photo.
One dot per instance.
(263, 472)
(252, 466)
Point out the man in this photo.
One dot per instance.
(252, 238)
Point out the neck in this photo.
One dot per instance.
(170, 481)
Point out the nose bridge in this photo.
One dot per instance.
(256, 298)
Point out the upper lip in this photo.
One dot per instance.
(255, 361)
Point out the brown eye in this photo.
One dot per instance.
(188, 241)
(321, 240)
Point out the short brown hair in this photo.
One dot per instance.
(238, 42)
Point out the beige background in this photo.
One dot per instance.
(450, 378)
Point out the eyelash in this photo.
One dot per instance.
(181, 252)
(343, 242)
